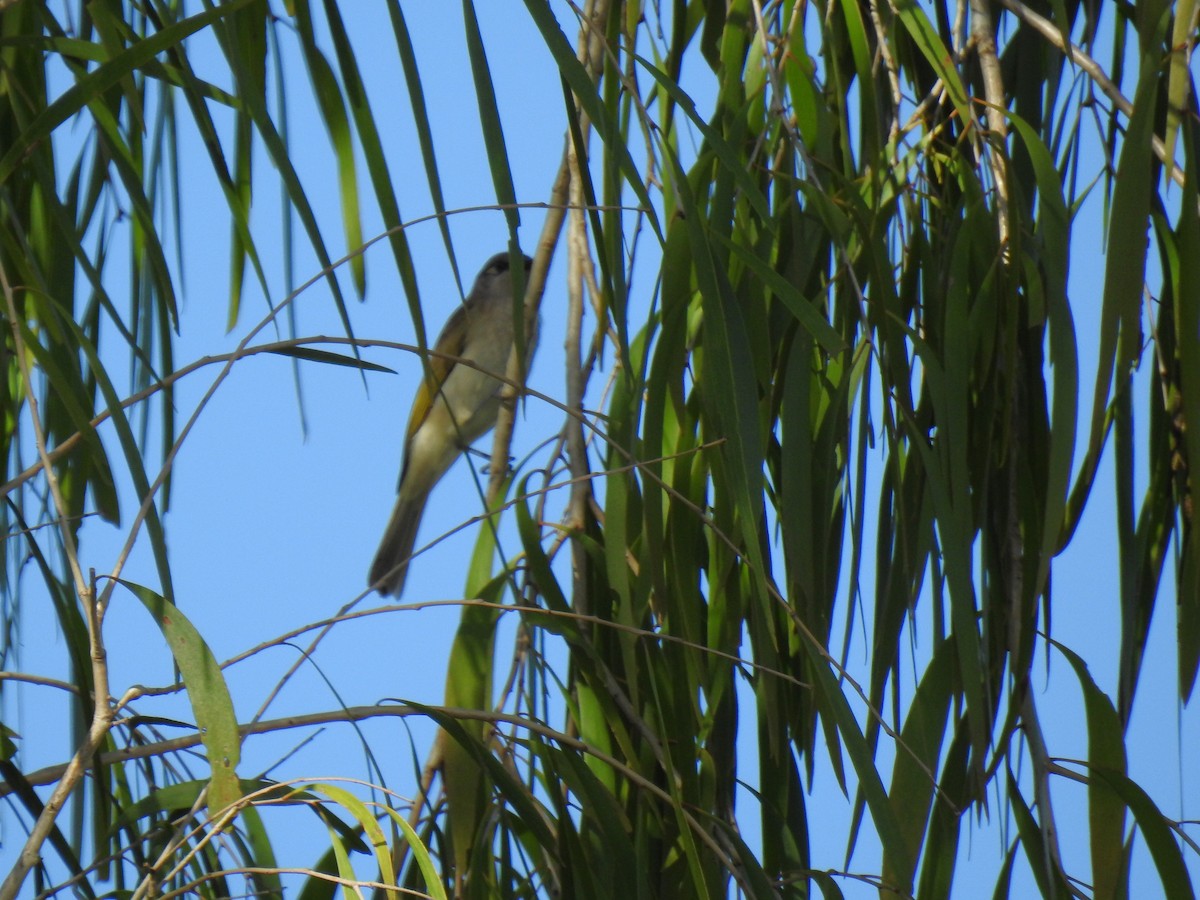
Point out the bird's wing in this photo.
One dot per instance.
(451, 342)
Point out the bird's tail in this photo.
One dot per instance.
(390, 567)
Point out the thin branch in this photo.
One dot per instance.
(65, 446)
(1040, 758)
(41, 680)
(590, 53)
(1094, 70)
(893, 73)
(518, 368)
(102, 713)
(51, 773)
(361, 713)
(1076, 54)
(150, 882)
(590, 43)
(577, 260)
(984, 33)
(959, 31)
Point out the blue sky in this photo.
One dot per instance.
(272, 526)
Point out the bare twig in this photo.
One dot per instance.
(893, 73)
(1094, 70)
(1041, 782)
(42, 680)
(93, 610)
(67, 445)
(984, 33)
(577, 259)
(150, 881)
(50, 774)
(360, 713)
(590, 54)
(959, 31)
(518, 368)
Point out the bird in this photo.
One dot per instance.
(455, 405)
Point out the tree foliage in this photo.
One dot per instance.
(861, 242)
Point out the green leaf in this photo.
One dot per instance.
(207, 693)
(373, 152)
(333, 111)
(416, 100)
(1049, 879)
(73, 400)
(728, 376)
(1054, 229)
(728, 154)
(1187, 352)
(334, 359)
(1106, 812)
(914, 779)
(433, 882)
(365, 817)
(582, 86)
(129, 446)
(1161, 841)
(863, 55)
(469, 673)
(489, 121)
(104, 77)
(254, 104)
(925, 36)
(799, 305)
(1179, 78)
(180, 797)
(1124, 278)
